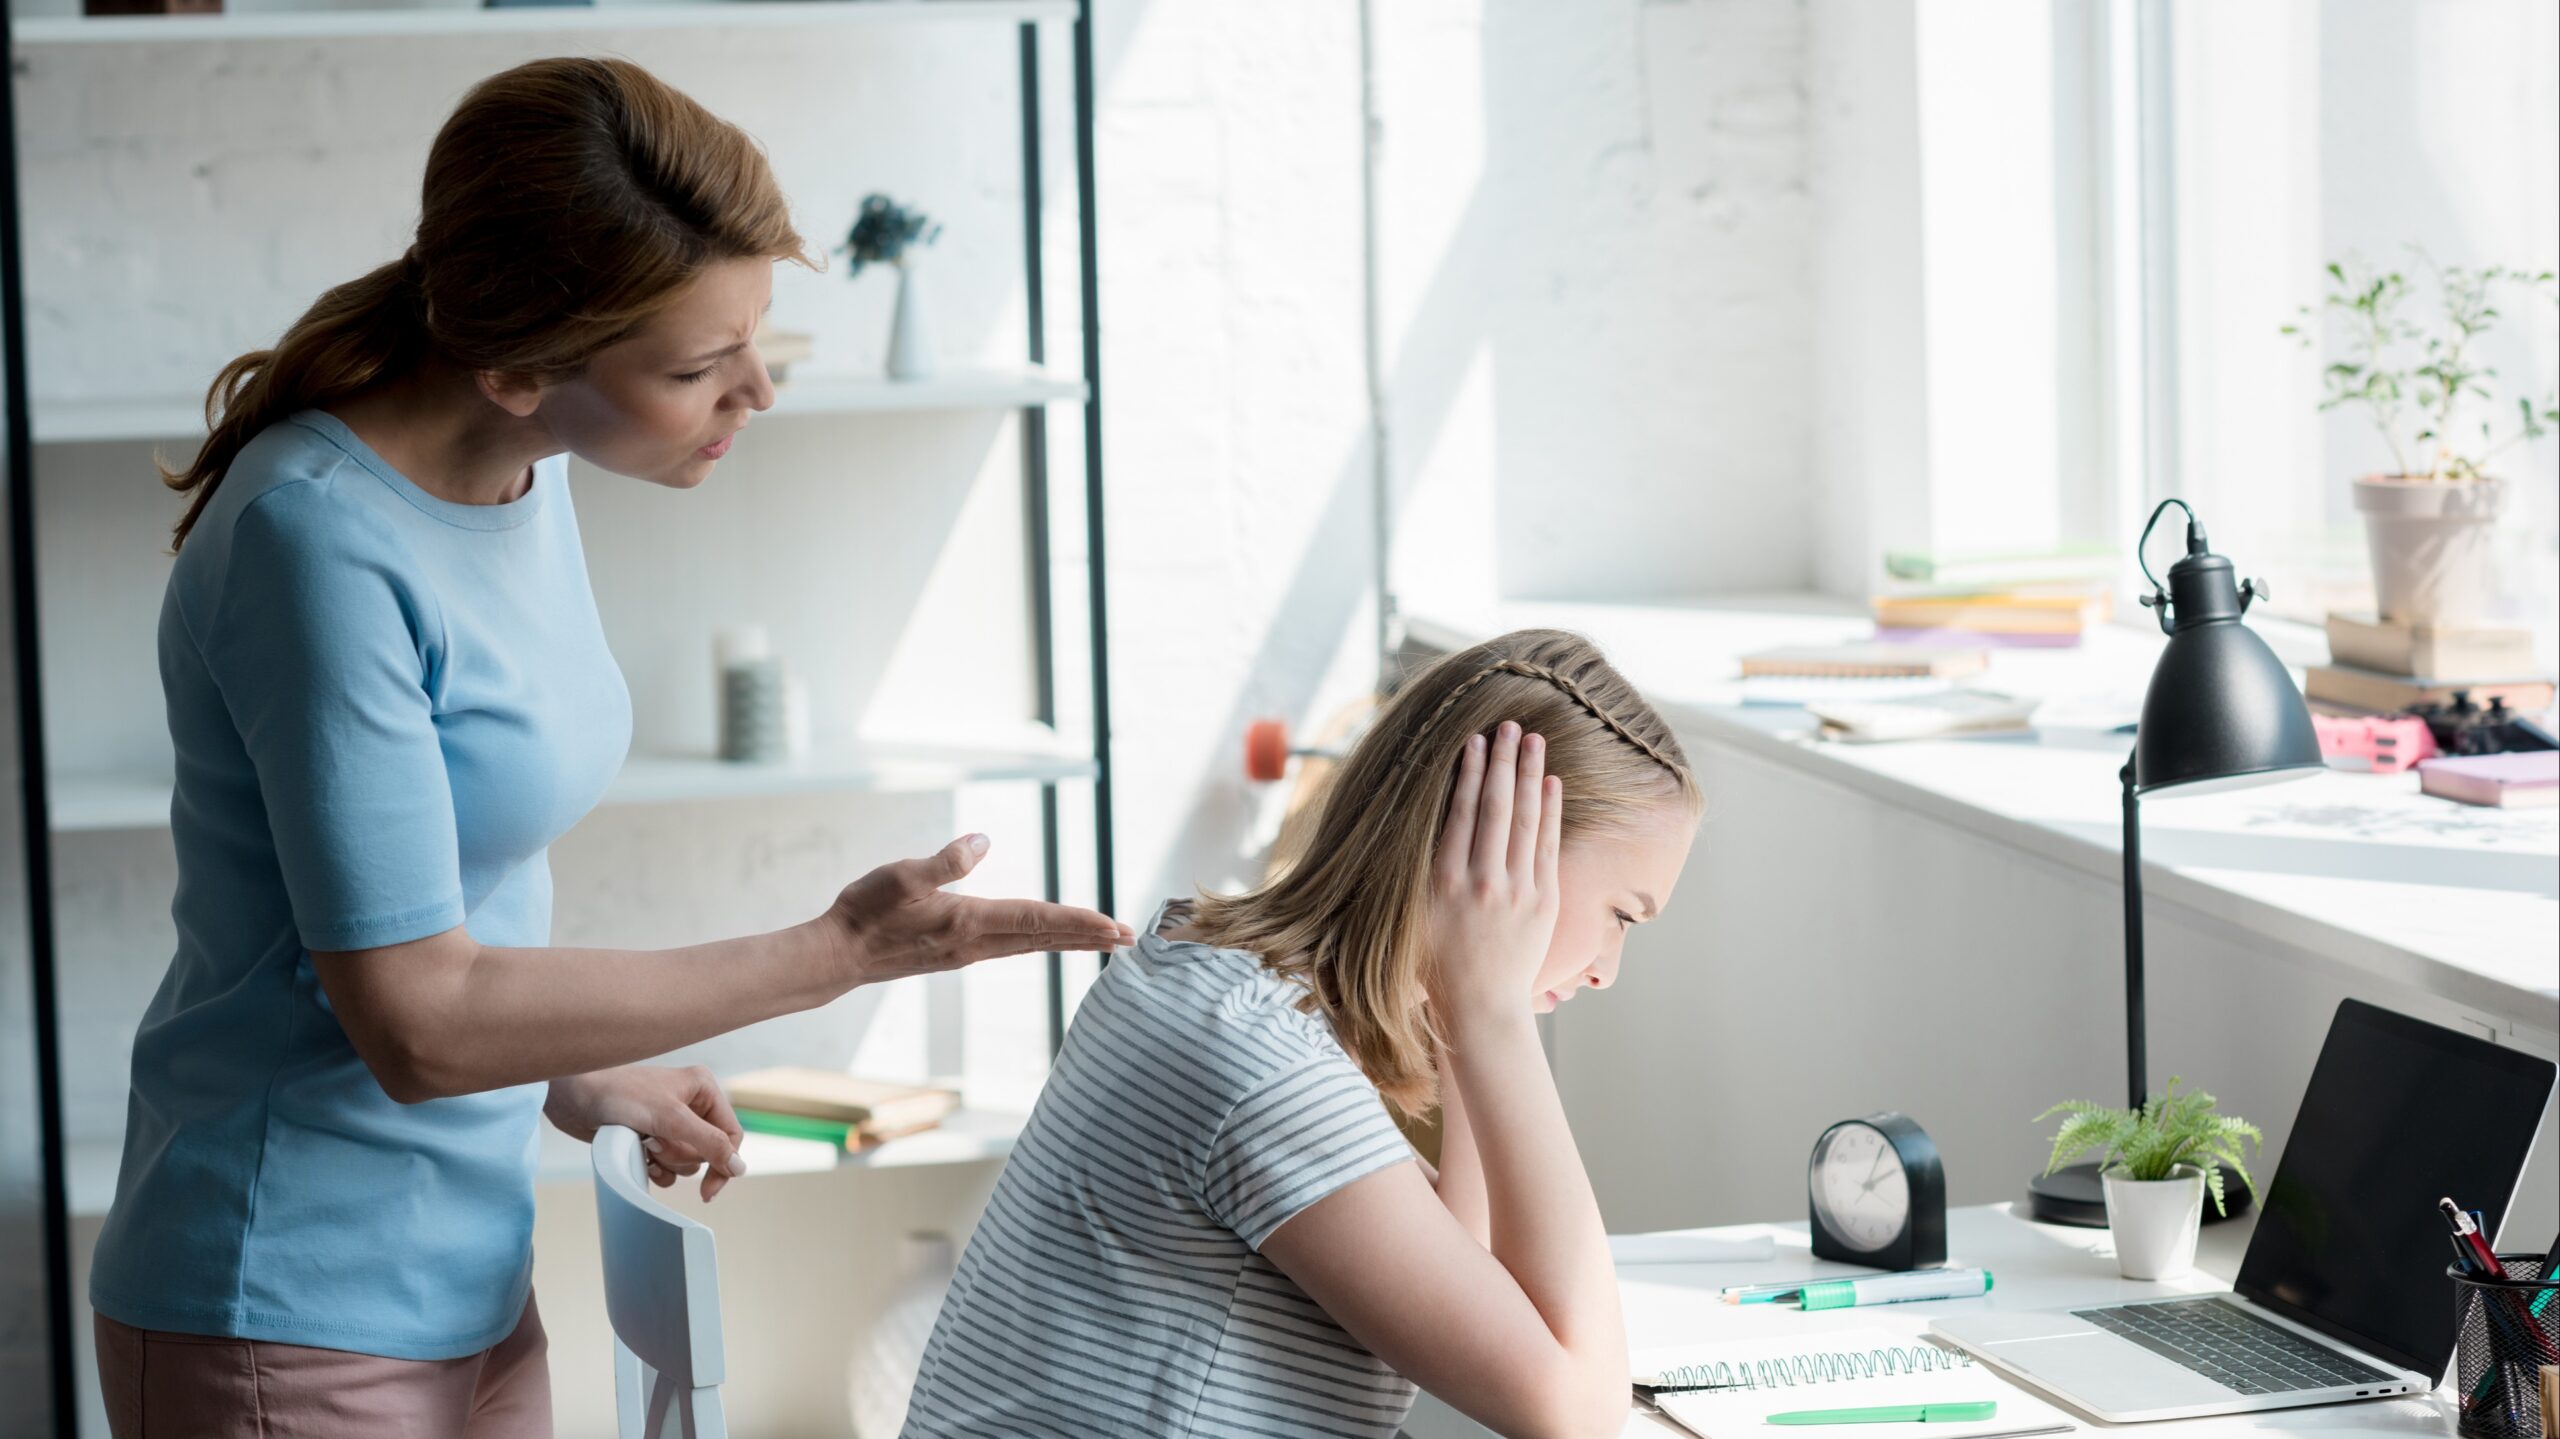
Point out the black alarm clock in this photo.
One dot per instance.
(1878, 1194)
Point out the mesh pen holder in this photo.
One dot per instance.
(2505, 1342)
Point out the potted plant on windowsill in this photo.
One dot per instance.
(2430, 394)
(2159, 1164)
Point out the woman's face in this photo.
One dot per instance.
(663, 404)
(1607, 885)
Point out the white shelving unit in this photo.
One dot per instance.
(257, 23)
(136, 796)
(71, 422)
(968, 1136)
(141, 801)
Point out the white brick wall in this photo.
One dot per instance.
(1593, 239)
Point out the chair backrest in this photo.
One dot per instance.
(662, 1293)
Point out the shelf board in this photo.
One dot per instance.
(117, 801)
(60, 422)
(450, 19)
(969, 1136)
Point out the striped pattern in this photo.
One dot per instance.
(1113, 1287)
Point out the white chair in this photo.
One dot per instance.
(662, 1293)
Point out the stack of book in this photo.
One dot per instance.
(2028, 600)
(836, 1108)
(2377, 666)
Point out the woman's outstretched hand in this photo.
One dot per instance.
(1493, 879)
(897, 921)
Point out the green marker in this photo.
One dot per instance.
(1892, 1414)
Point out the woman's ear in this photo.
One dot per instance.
(518, 395)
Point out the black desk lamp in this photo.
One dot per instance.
(2221, 713)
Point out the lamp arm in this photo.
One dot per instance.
(2135, 1039)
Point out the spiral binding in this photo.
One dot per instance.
(1823, 1368)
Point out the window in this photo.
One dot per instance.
(2272, 138)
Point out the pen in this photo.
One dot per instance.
(2467, 1232)
(1896, 1288)
(2484, 1260)
(2548, 1275)
(1870, 1289)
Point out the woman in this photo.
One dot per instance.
(389, 693)
(1211, 1227)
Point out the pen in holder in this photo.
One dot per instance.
(2510, 1329)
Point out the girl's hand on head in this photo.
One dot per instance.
(682, 1116)
(1493, 879)
(897, 921)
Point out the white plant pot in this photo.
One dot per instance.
(2433, 561)
(2155, 1222)
(910, 343)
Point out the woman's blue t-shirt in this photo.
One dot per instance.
(386, 706)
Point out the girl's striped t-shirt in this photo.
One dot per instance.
(1114, 1285)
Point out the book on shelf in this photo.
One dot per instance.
(2522, 779)
(2064, 614)
(841, 1108)
(2446, 652)
(1864, 660)
(1993, 639)
(851, 1138)
(1963, 711)
(2067, 564)
(2376, 692)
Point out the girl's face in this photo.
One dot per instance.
(663, 404)
(1607, 885)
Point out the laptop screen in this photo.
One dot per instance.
(2399, 1113)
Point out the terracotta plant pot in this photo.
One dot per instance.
(2155, 1221)
(2432, 560)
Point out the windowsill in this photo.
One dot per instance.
(2352, 870)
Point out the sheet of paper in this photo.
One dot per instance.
(1848, 1369)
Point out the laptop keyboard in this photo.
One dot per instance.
(2227, 1344)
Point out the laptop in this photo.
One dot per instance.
(2343, 1293)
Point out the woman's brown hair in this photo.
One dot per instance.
(566, 201)
(1346, 911)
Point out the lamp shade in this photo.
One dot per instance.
(2221, 712)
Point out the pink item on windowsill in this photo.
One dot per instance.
(2519, 779)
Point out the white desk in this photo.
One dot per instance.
(2035, 1266)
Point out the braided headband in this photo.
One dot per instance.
(1527, 670)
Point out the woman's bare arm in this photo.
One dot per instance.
(447, 1015)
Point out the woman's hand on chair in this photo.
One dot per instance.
(898, 921)
(682, 1117)
(1493, 880)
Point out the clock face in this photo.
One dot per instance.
(1860, 1192)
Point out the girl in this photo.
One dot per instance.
(389, 692)
(1212, 1227)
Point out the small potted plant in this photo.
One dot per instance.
(884, 233)
(2158, 1165)
(2431, 396)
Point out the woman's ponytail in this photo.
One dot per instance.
(356, 335)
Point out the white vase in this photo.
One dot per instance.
(910, 343)
(2433, 561)
(2155, 1222)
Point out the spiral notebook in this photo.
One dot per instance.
(1843, 1369)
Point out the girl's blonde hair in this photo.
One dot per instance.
(1346, 911)
(566, 202)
